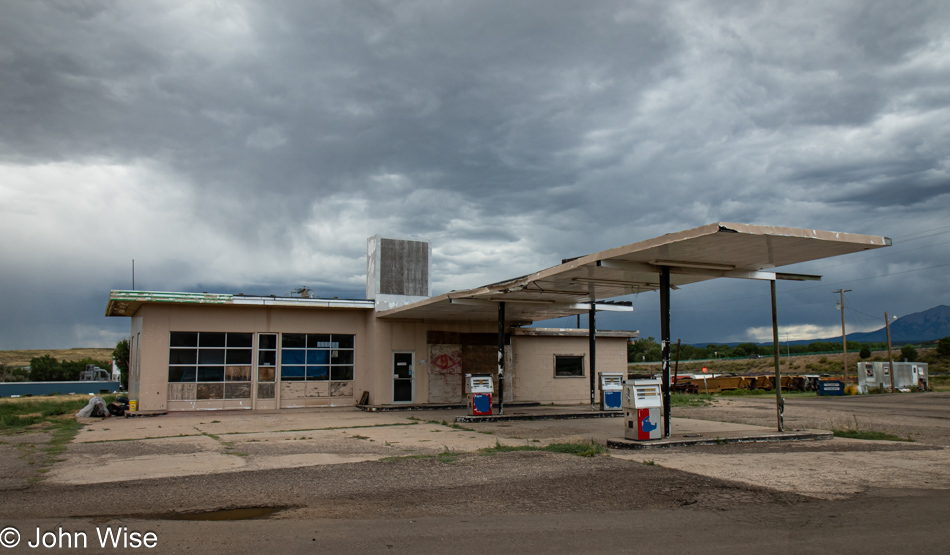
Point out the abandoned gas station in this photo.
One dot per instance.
(400, 346)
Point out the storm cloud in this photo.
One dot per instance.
(254, 146)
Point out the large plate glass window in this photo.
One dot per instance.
(316, 357)
(219, 362)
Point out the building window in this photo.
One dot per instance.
(219, 362)
(568, 366)
(316, 357)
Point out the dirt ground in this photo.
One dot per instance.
(432, 489)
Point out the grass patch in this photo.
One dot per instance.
(63, 433)
(17, 414)
(690, 400)
(868, 434)
(447, 457)
(747, 392)
(581, 448)
(405, 457)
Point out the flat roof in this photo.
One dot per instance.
(572, 332)
(127, 303)
(708, 252)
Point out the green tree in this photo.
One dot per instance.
(865, 352)
(909, 353)
(121, 356)
(943, 347)
(46, 369)
(644, 350)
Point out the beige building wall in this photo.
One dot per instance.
(529, 359)
(158, 320)
(390, 336)
(135, 358)
(533, 372)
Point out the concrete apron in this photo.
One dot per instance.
(220, 441)
(184, 444)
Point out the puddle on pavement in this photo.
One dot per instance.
(246, 513)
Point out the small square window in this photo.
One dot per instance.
(341, 373)
(267, 358)
(267, 341)
(211, 339)
(294, 340)
(182, 356)
(184, 339)
(343, 341)
(240, 339)
(211, 373)
(568, 366)
(238, 356)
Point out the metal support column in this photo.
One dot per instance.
(779, 400)
(665, 343)
(501, 358)
(592, 341)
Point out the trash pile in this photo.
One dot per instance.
(97, 408)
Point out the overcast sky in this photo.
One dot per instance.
(254, 146)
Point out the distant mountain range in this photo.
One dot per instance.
(929, 325)
(919, 327)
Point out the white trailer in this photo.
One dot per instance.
(873, 375)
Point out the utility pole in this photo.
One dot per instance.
(844, 337)
(890, 359)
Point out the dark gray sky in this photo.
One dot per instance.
(254, 146)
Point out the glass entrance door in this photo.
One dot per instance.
(402, 377)
(266, 382)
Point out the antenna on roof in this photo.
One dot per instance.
(304, 292)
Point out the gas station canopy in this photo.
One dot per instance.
(711, 251)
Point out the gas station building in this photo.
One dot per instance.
(401, 346)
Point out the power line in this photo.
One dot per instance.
(886, 254)
(947, 227)
(828, 284)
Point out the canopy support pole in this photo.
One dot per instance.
(501, 358)
(592, 341)
(779, 401)
(665, 343)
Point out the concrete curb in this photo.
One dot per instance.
(684, 442)
(405, 408)
(525, 417)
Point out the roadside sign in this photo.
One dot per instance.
(705, 369)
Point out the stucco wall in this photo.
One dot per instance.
(410, 336)
(159, 320)
(533, 373)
